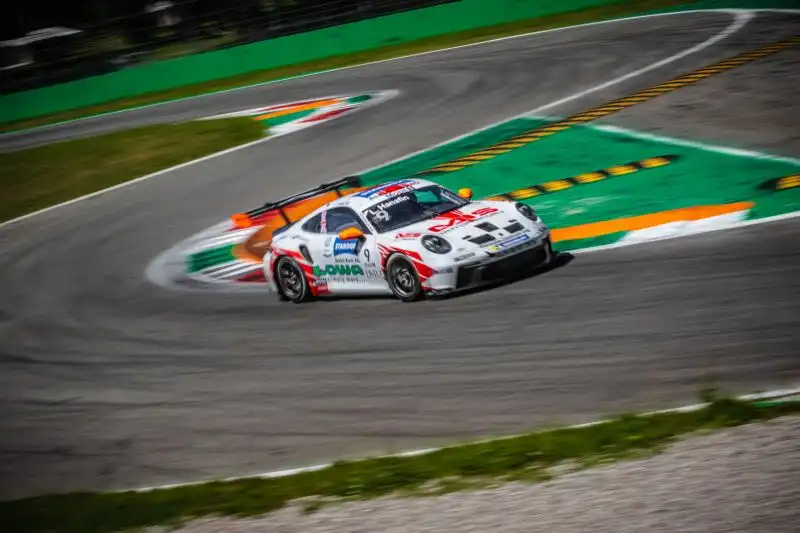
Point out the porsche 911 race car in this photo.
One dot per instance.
(410, 238)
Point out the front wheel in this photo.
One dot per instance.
(552, 255)
(292, 283)
(403, 279)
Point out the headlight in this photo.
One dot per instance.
(435, 244)
(527, 211)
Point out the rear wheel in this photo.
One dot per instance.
(292, 283)
(403, 279)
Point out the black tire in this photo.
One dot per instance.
(291, 281)
(552, 254)
(403, 279)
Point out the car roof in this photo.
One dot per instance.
(378, 193)
(367, 197)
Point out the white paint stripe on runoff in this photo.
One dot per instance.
(231, 237)
(736, 225)
(380, 96)
(215, 278)
(683, 228)
(768, 395)
(664, 232)
(229, 269)
(225, 239)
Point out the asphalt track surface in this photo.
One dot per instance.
(109, 381)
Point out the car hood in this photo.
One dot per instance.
(473, 228)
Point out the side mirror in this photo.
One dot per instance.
(465, 193)
(350, 233)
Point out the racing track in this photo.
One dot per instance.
(110, 381)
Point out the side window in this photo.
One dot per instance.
(339, 218)
(313, 224)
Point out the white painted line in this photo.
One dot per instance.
(133, 182)
(230, 237)
(682, 228)
(769, 395)
(741, 18)
(370, 63)
(736, 152)
(708, 147)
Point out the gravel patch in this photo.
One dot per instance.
(745, 479)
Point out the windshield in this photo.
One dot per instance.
(412, 206)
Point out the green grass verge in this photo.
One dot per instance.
(526, 457)
(623, 8)
(39, 177)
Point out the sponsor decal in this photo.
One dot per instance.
(386, 188)
(345, 272)
(406, 236)
(341, 247)
(508, 243)
(338, 270)
(397, 200)
(465, 256)
(373, 273)
(456, 218)
(378, 216)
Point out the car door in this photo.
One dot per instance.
(348, 265)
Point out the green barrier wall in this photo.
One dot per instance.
(319, 44)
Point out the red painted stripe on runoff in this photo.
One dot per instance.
(326, 115)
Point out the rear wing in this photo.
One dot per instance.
(293, 208)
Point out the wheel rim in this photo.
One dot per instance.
(403, 277)
(291, 280)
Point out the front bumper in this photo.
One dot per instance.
(498, 265)
(502, 266)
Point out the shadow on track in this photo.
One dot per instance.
(561, 260)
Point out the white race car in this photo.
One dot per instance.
(410, 238)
